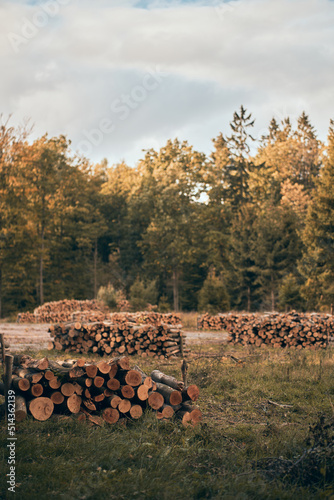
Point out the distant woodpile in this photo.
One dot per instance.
(109, 391)
(293, 330)
(122, 337)
(66, 310)
(63, 311)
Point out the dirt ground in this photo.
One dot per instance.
(19, 336)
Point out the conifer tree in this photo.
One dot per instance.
(317, 264)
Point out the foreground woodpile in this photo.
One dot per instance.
(159, 342)
(107, 391)
(294, 330)
(63, 311)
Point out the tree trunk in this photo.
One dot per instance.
(176, 290)
(272, 294)
(41, 265)
(248, 299)
(95, 269)
(0, 293)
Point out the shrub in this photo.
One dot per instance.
(213, 296)
(110, 296)
(143, 294)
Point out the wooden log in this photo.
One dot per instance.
(91, 371)
(158, 376)
(113, 384)
(41, 408)
(155, 400)
(54, 383)
(127, 391)
(114, 401)
(110, 415)
(20, 408)
(136, 411)
(74, 403)
(190, 392)
(20, 384)
(36, 390)
(8, 377)
(171, 396)
(124, 406)
(142, 392)
(67, 389)
(57, 398)
(133, 378)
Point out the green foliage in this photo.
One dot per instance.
(142, 294)
(213, 296)
(164, 306)
(289, 294)
(68, 227)
(110, 296)
(317, 264)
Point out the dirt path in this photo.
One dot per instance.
(25, 336)
(20, 336)
(198, 337)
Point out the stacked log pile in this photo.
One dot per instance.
(293, 330)
(146, 317)
(107, 391)
(159, 342)
(92, 310)
(66, 310)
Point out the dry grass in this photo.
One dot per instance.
(222, 458)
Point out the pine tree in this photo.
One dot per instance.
(236, 173)
(317, 264)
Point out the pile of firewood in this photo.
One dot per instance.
(107, 391)
(92, 310)
(66, 310)
(124, 337)
(146, 317)
(294, 330)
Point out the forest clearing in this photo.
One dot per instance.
(266, 428)
(255, 439)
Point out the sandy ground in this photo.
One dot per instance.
(19, 336)
(25, 336)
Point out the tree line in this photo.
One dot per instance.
(249, 227)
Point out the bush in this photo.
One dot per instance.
(213, 296)
(110, 296)
(289, 296)
(143, 294)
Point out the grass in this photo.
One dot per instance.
(189, 320)
(222, 458)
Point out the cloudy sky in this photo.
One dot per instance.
(120, 76)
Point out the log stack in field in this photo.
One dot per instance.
(66, 310)
(293, 330)
(109, 391)
(159, 342)
(147, 317)
(63, 311)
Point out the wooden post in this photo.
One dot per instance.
(8, 377)
(2, 342)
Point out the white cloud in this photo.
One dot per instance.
(274, 57)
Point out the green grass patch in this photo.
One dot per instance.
(240, 451)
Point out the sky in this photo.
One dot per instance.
(121, 76)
